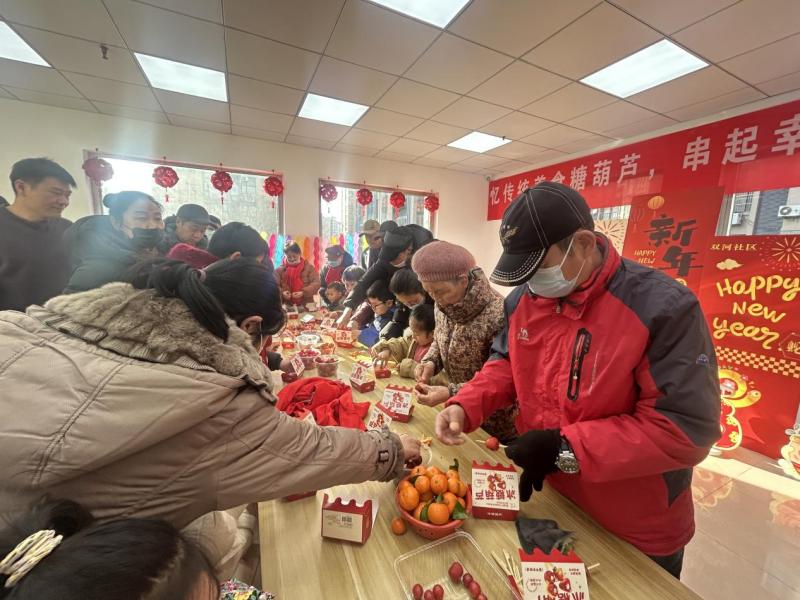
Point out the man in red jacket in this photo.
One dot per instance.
(612, 366)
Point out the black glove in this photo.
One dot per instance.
(536, 452)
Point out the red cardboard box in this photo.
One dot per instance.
(553, 576)
(377, 419)
(495, 491)
(293, 497)
(343, 338)
(397, 402)
(348, 520)
(362, 378)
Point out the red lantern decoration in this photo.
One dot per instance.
(223, 182)
(98, 169)
(273, 186)
(166, 177)
(431, 203)
(327, 192)
(398, 200)
(364, 198)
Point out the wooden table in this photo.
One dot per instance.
(297, 563)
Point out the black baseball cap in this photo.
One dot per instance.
(394, 242)
(538, 218)
(215, 222)
(194, 213)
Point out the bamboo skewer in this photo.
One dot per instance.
(484, 443)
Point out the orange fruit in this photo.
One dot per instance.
(452, 473)
(418, 510)
(462, 502)
(398, 526)
(423, 484)
(462, 489)
(427, 496)
(433, 471)
(418, 470)
(409, 498)
(404, 484)
(450, 499)
(438, 513)
(453, 484)
(438, 484)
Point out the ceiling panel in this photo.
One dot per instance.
(396, 156)
(555, 136)
(114, 92)
(349, 149)
(304, 23)
(470, 113)
(192, 123)
(517, 150)
(317, 130)
(610, 117)
(516, 125)
(386, 121)
(484, 161)
(262, 59)
(513, 166)
(130, 112)
(87, 19)
(167, 34)
(52, 99)
(517, 85)
(450, 155)
(346, 81)
(368, 139)
(415, 98)
(194, 107)
(671, 16)
(431, 162)
(741, 28)
(715, 105)
(689, 89)
(260, 119)
(639, 127)
(768, 62)
(34, 77)
(415, 147)
(602, 36)
(569, 102)
(265, 96)
(210, 10)
(372, 36)
(780, 85)
(311, 142)
(516, 26)
(70, 54)
(437, 133)
(585, 144)
(272, 136)
(456, 65)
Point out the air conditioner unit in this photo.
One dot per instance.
(789, 211)
(737, 219)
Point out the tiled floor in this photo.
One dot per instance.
(747, 544)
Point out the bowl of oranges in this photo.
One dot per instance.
(434, 503)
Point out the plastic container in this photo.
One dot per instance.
(307, 341)
(327, 347)
(428, 566)
(327, 366)
(429, 530)
(307, 356)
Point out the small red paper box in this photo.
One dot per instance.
(288, 342)
(397, 402)
(495, 491)
(328, 323)
(293, 497)
(377, 419)
(553, 576)
(297, 365)
(305, 415)
(362, 378)
(383, 372)
(348, 520)
(308, 318)
(343, 338)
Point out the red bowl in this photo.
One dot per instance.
(429, 530)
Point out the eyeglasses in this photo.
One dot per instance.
(374, 306)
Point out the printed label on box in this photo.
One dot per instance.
(344, 337)
(377, 419)
(329, 323)
(553, 576)
(398, 402)
(362, 373)
(297, 365)
(495, 491)
(348, 519)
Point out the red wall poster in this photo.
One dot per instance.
(669, 231)
(749, 294)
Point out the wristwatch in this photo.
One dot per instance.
(566, 461)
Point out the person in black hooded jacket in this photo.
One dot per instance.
(103, 247)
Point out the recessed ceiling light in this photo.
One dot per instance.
(478, 142)
(14, 47)
(435, 12)
(331, 110)
(182, 78)
(652, 66)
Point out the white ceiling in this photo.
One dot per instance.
(505, 67)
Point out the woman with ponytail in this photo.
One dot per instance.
(149, 399)
(103, 247)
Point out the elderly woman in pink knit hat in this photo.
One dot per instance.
(469, 313)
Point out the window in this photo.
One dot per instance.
(611, 212)
(246, 201)
(742, 203)
(345, 215)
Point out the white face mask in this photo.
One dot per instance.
(551, 283)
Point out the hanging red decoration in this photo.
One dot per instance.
(166, 177)
(398, 200)
(273, 186)
(98, 169)
(364, 198)
(327, 192)
(431, 203)
(222, 182)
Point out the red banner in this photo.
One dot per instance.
(669, 231)
(755, 151)
(749, 295)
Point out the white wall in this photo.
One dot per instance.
(62, 134)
